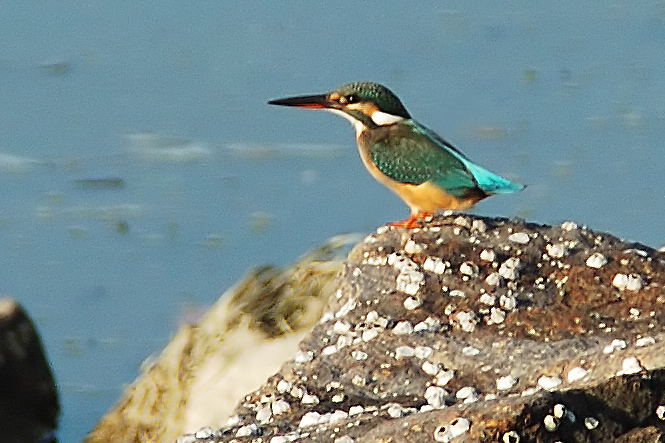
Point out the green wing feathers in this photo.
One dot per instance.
(413, 158)
(410, 153)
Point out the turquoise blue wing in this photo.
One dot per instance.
(490, 182)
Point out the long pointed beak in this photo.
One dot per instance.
(320, 101)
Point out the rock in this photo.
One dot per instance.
(29, 406)
(245, 337)
(547, 349)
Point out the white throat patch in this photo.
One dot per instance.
(357, 124)
(383, 118)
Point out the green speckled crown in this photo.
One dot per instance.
(381, 96)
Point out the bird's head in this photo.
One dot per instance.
(366, 105)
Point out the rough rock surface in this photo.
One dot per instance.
(472, 329)
(244, 338)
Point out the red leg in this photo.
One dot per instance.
(411, 222)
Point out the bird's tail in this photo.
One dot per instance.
(491, 183)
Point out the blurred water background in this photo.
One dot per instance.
(142, 172)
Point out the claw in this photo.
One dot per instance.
(411, 222)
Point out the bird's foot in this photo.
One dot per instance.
(411, 222)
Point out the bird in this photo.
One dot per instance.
(424, 170)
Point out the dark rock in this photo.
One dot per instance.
(29, 406)
(476, 329)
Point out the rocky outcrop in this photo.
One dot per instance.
(472, 329)
(29, 406)
(244, 338)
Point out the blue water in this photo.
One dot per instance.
(565, 97)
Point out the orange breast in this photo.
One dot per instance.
(425, 197)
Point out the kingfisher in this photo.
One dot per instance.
(422, 168)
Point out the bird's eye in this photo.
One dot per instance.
(351, 98)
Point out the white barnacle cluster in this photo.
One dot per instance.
(465, 320)
(510, 437)
(468, 394)
(402, 352)
(556, 250)
(309, 399)
(615, 345)
(493, 279)
(521, 238)
(462, 222)
(412, 247)
(204, 434)
(457, 293)
(470, 351)
(468, 269)
(373, 326)
(551, 423)
(314, 418)
(347, 307)
(429, 324)
(548, 382)
(435, 265)
(374, 260)
(403, 328)
(508, 301)
(630, 365)
(443, 376)
(423, 352)
(409, 278)
(644, 341)
(500, 271)
(395, 410)
(303, 356)
(576, 373)
(343, 334)
(412, 303)
(560, 413)
(487, 299)
(505, 382)
(247, 430)
(270, 406)
(263, 414)
(510, 268)
(478, 226)
(286, 438)
(596, 260)
(430, 368)
(569, 226)
(448, 432)
(488, 255)
(359, 355)
(630, 282)
(435, 394)
(660, 412)
(496, 316)
(436, 397)
(622, 281)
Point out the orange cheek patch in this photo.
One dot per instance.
(365, 108)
